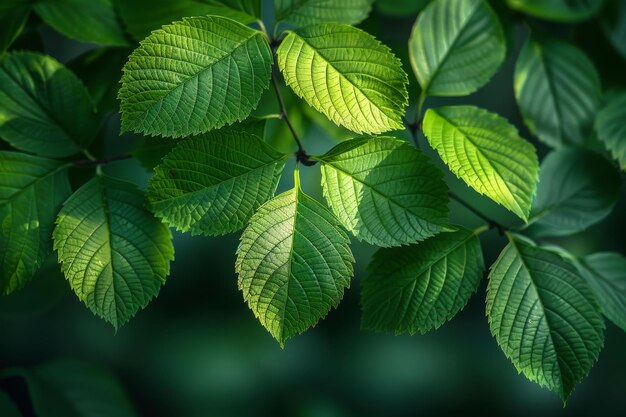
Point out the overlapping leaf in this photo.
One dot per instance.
(543, 316)
(610, 127)
(306, 12)
(32, 190)
(384, 191)
(614, 25)
(143, 16)
(456, 47)
(193, 76)
(576, 190)
(347, 75)
(13, 16)
(88, 21)
(559, 10)
(557, 89)
(486, 152)
(294, 264)
(606, 275)
(420, 287)
(113, 252)
(44, 108)
(71, 388)
(212, 184)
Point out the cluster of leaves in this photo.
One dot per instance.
(198, 80)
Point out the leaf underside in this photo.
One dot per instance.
(557, 89)
(113, 252)
(576, 189)
(611, 129)
(543, 316)
(36, 93)
(294, 264)
(32, 190)
(418, 288)
(306, 12)
(456, 47)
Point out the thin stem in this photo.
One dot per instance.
(89, 156)
(492, 224)
(420, 105)
(283, 109)
(103, 161)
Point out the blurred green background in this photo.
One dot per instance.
(198, 351)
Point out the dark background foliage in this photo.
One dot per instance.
(198, 351)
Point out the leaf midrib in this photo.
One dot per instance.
(35, 182)
(144, 113)
(468, 138)
(452, 45)
(330, 164)
(543, 309)
(231, 179)
(383, 110)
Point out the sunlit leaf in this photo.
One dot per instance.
(193, 76)
(384, 191)
(486, 152)
(294, 264)
(346, 74)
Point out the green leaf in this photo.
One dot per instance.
(32, 190)
(384, 191)
(69, 388)
(346, 74)
(13, 17)
(559, 10)
(143, 16)
(44, 108)
(614, 25)
(400, 8)
(88, 21)
(294, 263)
(306, 12)
(101, 69)
(7, 407)
(113, 252)
(605, 273)
(213, 184)
(544, 316)
(456, 47)
(193, 76)
(557, 89)
(418, 288)
(576, 190)
(611, 129)
(486, 152)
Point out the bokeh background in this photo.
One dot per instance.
(197, 350)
